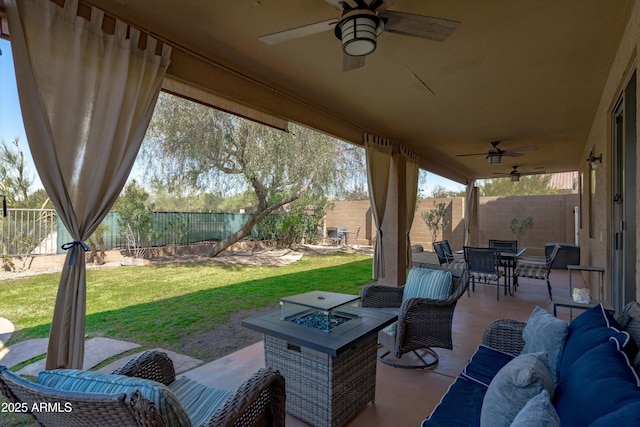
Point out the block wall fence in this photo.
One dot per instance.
(553, 217)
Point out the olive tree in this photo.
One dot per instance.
(189, 144)
(434, 219)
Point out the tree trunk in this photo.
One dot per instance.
(246, 228)
(238, 235)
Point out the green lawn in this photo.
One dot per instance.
(156, 306)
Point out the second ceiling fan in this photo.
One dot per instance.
(361, 23)
(495, 154)
(515, 174)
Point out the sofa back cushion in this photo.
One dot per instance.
(427, 283)
(169, 407)
(630, 322)
(590, 329)
(599, 382)
(628, 415)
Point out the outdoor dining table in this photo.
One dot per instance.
(510, 261)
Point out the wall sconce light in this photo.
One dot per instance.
(594, 161)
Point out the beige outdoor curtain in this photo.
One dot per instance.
(468, 211)
(86, 98)
(378, 152)
(412, 170)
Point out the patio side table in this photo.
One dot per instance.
(571, 304)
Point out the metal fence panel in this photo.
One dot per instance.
(170, 228)
(28, 231)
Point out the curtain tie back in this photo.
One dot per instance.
(73, 246)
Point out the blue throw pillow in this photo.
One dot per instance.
(547, 334)
(600, 381)
(513, 386)
(427, 283)
(593, 327)
(538, 412)
(168, 405)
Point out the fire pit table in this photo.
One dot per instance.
(325, 345)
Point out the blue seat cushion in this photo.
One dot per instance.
(462, 404)
(485, 364)
(600, 381)
(427, 283)
(198, 400)
(168, 405)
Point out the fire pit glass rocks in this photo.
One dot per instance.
(320, 310)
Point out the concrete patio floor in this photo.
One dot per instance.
(405, 397)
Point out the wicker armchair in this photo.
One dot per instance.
(259, 401)
(422, 323)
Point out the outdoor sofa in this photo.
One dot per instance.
(144, 392)
(546, 373)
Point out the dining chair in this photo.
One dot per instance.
(508, 264)
(446, 258)
(536, 268)
(483, 264)
(448, 251)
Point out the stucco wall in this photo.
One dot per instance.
(553, 220)
(596, 250)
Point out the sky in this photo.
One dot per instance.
(10, 117)
(11, 125)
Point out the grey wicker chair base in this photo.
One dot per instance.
(423, 365)
(422, 323)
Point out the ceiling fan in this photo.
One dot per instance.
(515, 174)
(361, 23)
(495, 154)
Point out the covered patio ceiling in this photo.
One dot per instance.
(524, 72)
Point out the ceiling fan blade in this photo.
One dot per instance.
(426, 27)
(471, 154)
(352, 62)
(521, 149)
(347, 5)
(298, 32)
(511, 154)
(338, 4)
(386, 4)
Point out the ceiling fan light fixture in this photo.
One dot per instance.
(359, 31)
(515, 177)
(494, 158)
